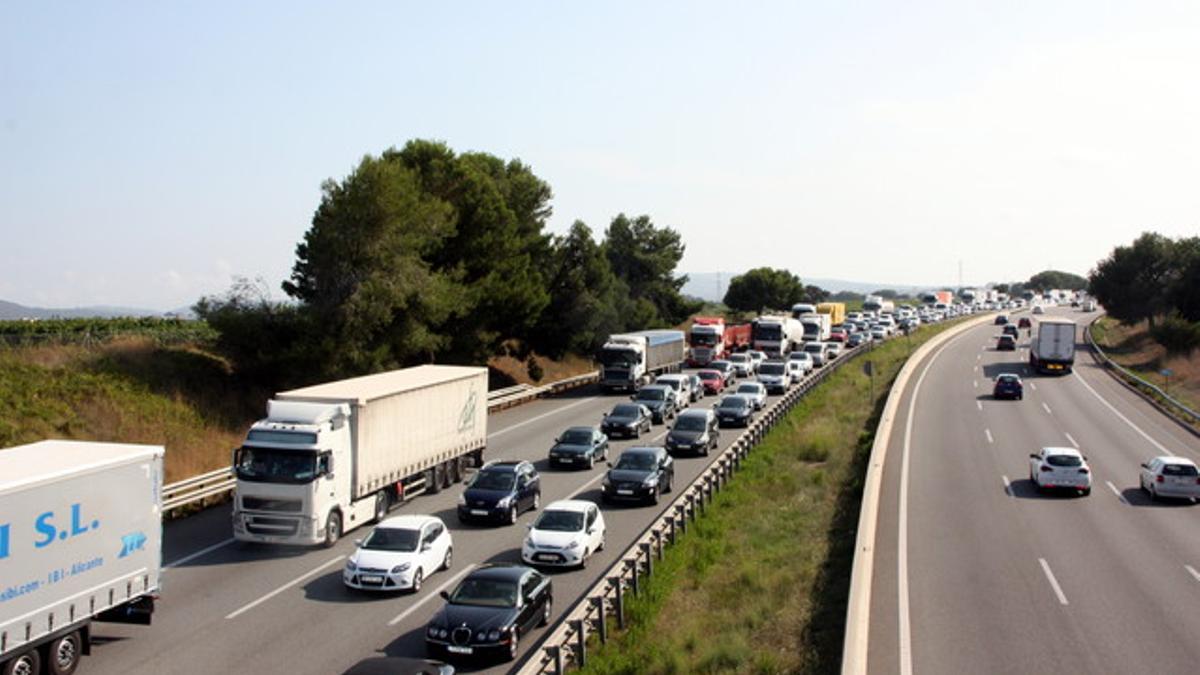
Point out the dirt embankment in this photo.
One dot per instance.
(1133, 348)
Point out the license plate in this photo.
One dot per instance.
(478, 512)
(545, 556)
(566, 460)
(453, 649)
(372, 579)
(624, 492)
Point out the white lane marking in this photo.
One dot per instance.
(1115, 491)
(979, 357)
(197, 554)
(1007, 486)
(975, 383)
(1072, 439)
(277, 591)
(1124, 419)
(979, 404)
(1062, 599)
(1046, 408)
(436, 592)
(586, 485)
(1192, 570)
(974, 368)
(1033, 386)
(544, 415)
(988, 433)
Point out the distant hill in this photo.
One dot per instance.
(712, 285)
(10, 311)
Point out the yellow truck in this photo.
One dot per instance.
(835, 310)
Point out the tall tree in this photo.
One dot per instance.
(1048, 279)
(645, 258)
(1185, 289)
(586, 298)
(764, 288)
(1132, 282)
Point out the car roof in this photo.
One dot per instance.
(1172, 459)
(500, 571)
(654, 387)
(709, 371)
(1061, 451)
(577, 505)
(503, 465)
(756, 385)
(695, 412)
(739, 397)
(641, 450)
(413, 521)
(670, 378)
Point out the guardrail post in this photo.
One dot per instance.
(620, 606)
(671, 534)
(683, 518)
(559, 668)
(691, 499)
(649, 558)
(633, 582)
(658, 545)
(581, 643)
(602, 626)
(700, 498)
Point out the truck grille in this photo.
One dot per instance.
(273, 526)
(279, 505)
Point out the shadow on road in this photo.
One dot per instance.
(1024, 488)
(1139, 497)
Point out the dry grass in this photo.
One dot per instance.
(1133, 348)
(516, 371)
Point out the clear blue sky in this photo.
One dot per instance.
(151, 151)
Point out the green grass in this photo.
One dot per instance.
(759, 584)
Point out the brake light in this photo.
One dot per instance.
(1083, 470)
(1047, 467)
(1158, 479)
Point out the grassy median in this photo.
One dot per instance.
(759, 584)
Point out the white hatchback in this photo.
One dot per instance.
(1171, 477)
(1060, 468)
(566, 534)
(399, 553)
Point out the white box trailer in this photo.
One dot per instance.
(372, 440)
(80, 540)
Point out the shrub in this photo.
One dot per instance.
(1177, 335)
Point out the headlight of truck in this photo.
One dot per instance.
(403, 567)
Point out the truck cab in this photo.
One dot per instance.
(623, 363)
(288, 478)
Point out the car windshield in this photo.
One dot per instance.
(691, 423)
(494, 480)
(709, 375)
(814, 347)
(485, 593)
(560, 521)
(771, 369)
(674, 384)
(392, 539)
(626, 410)
(647, 394)
(267, 465)
(1007, 379)
(733, 403)
(1063, 460)
(576, 437)
(751, 389)
(739, 358)
(1178, 470)
(720, 365)
(636, 461)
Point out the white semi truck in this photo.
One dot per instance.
(334, 456)
(817, 327)
(629, 360)
(80, 541)
(777, 335)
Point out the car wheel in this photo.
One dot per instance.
(333, 529)
(513, 647)
(637, 432)
(600, 546)
(418, 577)
(448, 558)
(654, 495)
(591, 461)
(547, 610)
(1086, 491)
(537, 501)
(512, 514)
(583, 559)
(670, 484)
(1153, 494)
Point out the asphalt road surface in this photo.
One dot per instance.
(976, 572)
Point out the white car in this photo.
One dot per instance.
(681, 385)
(816, 351)
(755, 391)
(796, 371)
(743, 365)
(399, 554)
(1171, 477)
(804, 359)
(1060, 468)
(566, 534)
(757, 358)
(774, 376)
(832, 350)
(879, 332)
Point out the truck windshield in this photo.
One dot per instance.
(768, 332)
(770, 369)
(619, 357)
(703, 339)
(269, 465)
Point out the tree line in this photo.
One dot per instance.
(425, 255)
(1155, 279)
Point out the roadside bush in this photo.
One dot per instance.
(1178, 335)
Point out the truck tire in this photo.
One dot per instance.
(447, 477)
(333, 529)
(433, 484)
(27, 663)
(456, 470)
(383, 501)
(63, 655)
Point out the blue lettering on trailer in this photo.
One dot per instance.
(4, 529)
(44, 525)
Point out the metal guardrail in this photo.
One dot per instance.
(1166, 400)
(215, 483)
(567, 642)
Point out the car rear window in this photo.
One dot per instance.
(1063, 460)
(1179, 470)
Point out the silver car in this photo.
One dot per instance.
(743, 365)
(755, 391)
(1171, 477)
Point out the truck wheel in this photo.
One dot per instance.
(333, 529)
(64, 653)
(433, 483)
(29, 663)
(382, 502)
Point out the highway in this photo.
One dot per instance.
(975, 571)
(230, 608)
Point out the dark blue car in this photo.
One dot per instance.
(501, 491)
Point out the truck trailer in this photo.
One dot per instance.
(1053, 349)
(777, 335)
(629, 360)
(835, 310)
(331, 457)
(80, 541)
(711, 339)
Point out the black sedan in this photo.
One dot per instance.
(501, 491)
(1008, 385)
(660, 399)
(694, 432)
(640, 474)
(627, 419)
(489, 611)
(735, 410)
(579, 447)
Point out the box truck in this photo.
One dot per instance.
(835, 310)
(1053, 349)
(816, 327)
(334, 456)
(80, 541)
(711, 339)
(629, 360)
(802, 308)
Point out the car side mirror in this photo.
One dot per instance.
(426, 546)
(558, 439)
(609, 464)
(591, 530)
(1145, 465)
(445, 595)
(358, 543)
(633, 398)
(529, 526)
(1032, 456)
